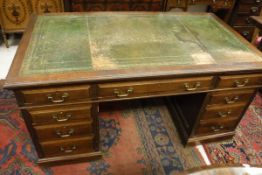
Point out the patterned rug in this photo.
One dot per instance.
(246, 146)
(139, 138)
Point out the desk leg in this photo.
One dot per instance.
(5, 38)
(95, 113)
(255, 35)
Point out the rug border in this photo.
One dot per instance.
(208, 167)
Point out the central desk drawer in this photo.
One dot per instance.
(153, 87)
(68, 146)
(62, 131)
(55, 95)
(60, 114)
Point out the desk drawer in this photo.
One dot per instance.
(68, 147)
(153, 87)
(242, 20)
(62, 131)
(221, 3)
(174, 4)
(251, 9)
(216, 126)
(191, 2)
(238, 81)
(60, 114)
(245, 31)
(230, 97)
(258, 2)
(216, 3)
(55, 95)
(230, 111)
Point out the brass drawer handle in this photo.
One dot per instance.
(226, 3)
(65, 134)
(254, 9)
(248, 20)
(120, 93)
(214, 1)
(217, 128)
(224, 114)
(61, 118)
(61, 100)
(232, 100)
(241, 84)
(62, 149)
(188, 88)
(245, 33)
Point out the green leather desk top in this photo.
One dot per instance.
(109, 46)
(108, 41)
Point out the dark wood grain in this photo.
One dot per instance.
(68, 147)
(230, 97)
(64, 131)
(220, 112)
(60, 114)
(55, 95)
(142, 88)
(239, 81)
(240, 18)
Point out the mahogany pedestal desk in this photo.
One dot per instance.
(67, 64)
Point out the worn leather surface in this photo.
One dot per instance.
(109, 41)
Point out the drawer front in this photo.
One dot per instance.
(230, 97)
(221, 4)
(147, 6)
(68, 147)
(242, 20)
(246, 32)
(211, 2)
(191, 2)
(62, 131)
(216, 126)
(174, 4)
(60, 114)
(230, 111)
(238, 81)
(55, 95)
(251, 9)
(118, 5)
(258, 2)
(154, 87)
